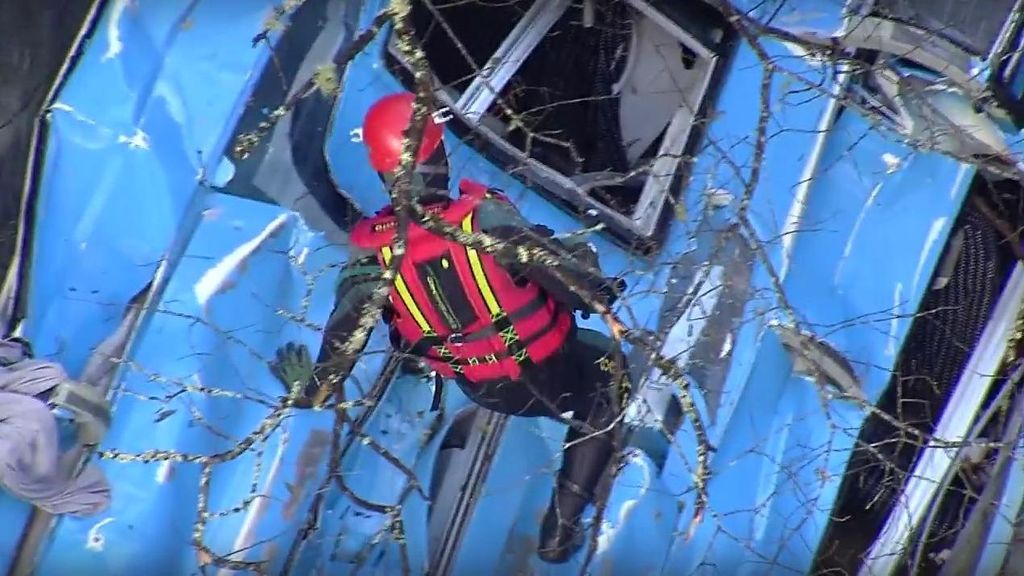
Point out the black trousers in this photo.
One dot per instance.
(589, 377)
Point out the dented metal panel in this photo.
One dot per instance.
(144, 125)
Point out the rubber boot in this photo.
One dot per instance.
(561, 532)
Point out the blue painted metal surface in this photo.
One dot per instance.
(149, 108)
(223, 311)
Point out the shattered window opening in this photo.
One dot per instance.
(558, 92)
(902, 277)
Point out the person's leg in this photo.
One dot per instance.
(598, 387)
(512, 397)
(588, 378)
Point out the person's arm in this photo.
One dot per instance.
(337, 356)
(578, 263)
(30, 451)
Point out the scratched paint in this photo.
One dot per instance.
(211, 240)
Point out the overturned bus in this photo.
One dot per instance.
(815, 205)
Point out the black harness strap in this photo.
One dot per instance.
(435, 403)
(502, 325)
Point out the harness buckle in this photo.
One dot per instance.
(442, 115)
(456, 338)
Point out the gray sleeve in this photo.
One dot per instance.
(29, 450)
(357, 282)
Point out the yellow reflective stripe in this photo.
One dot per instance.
(403, 291)
(478, 271)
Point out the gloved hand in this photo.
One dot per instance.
(610, 290)
(294, 366)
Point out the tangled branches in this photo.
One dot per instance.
(742, 163)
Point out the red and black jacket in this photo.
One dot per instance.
(456, 306)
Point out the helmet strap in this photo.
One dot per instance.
(417, 187)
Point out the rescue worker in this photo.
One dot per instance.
(502, 329)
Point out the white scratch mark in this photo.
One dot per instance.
(965, 170)
(894, 321)
(163, 471)
(216, 278)
(94, 540)
(853, 232)
(726, 345)
(933, 237)
(246, 539)
(74, 113)
(794, 217)
(114, 44)
(814, 58)
(892, 162)
(139, 140)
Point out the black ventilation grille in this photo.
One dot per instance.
(938, 346)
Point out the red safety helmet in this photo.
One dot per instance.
(384, 128)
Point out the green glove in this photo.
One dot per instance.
(294, 367)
